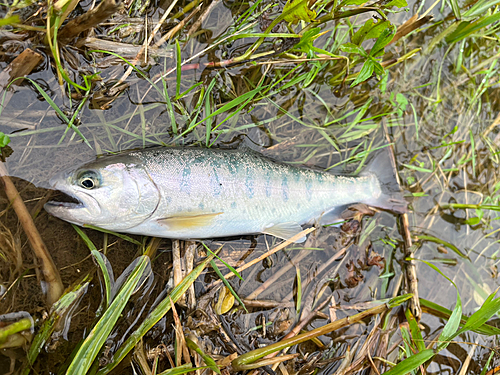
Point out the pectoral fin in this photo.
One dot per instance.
(186, 221)
(285, 231)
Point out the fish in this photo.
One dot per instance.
(202, 193)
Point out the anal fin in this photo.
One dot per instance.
(333, 216)
(186, 221)
(285, 231)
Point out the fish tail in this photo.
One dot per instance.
(390, 197)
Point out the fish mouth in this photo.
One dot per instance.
(73, 206)
(65, 200)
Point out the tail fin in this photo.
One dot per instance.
(391, 197)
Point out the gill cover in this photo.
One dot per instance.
(114, 193)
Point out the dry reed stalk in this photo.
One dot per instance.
(88, 20)
(21, 66)
(410, 270)
(281, 246)
(410, 25)
(146, 44)
(190, 247)
(177, 268)
(49, 270)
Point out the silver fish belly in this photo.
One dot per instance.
(195, 193)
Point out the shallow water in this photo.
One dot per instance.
(286, 126)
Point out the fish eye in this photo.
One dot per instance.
(88, 180)
(87, 183)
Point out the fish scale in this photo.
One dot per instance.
(195, 193)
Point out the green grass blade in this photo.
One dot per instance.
(119, 235)
(411, 363)
(470, 206)
(408, 348)
(223, 262)
(442, 312)
(456, 9)
(473, 149)
(108, 277)
(58, 110)
(208, 110)
(184, 93)
(415, 331)
(170, 108)
(245, 98)
(489, 308)
(178, 70)
(415, 117)
(292, 82)
(63, 306)
(9, 20)
(206, 358)
(208, 123)
(160, 310)
(73, 118)
(138, 71)
(465, 29)
(226, 283)
(479, 8)
(183, 369)
(95, 340)
(248, 13)
(15, 327)
(487, 364)
(299, 290)
(84, 237)
(194, 114)
(442, 242)
(451, 327)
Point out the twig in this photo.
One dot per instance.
(383, 343)
(177, 268)
(325, 266)
(146, 43)
(367, 346)
(182, 349)
(305, 321)
(256, 354)
(123, 49)
(279, 274)
(179, 26)
(268, 361)
(189, 261)
(266, 304)
(88, 20)
(141, 358)
(21, 66)
(161, 76)
(204, 15)
(410, 25)
(265, 255)
(411, 271)
(468, 359)
(49, 270)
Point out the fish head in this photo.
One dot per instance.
(115, 194)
